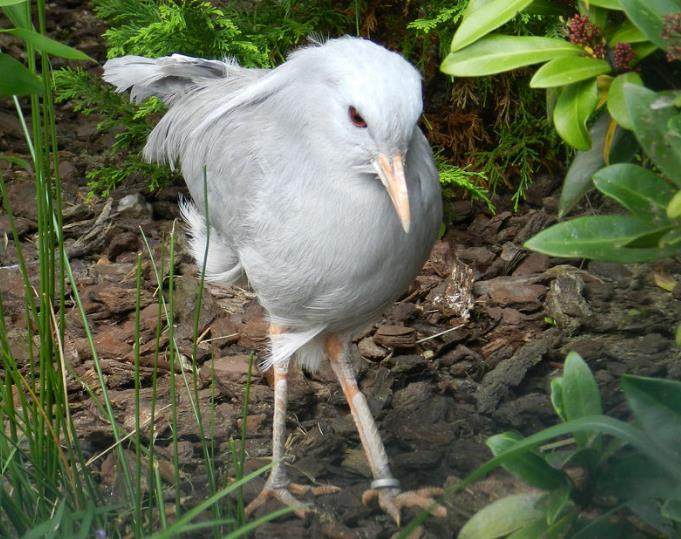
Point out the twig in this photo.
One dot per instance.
(431, 337)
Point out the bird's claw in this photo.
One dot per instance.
(286, 496)
(391, 500)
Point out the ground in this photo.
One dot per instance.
(438, 384)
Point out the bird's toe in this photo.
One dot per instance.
(300, 509)
(320, 490)
(286, 496)
(392, 501)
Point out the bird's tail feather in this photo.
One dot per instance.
(167, 77)
(302, 343)
(221, 262)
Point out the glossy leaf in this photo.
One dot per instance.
(530, 467)
(597, 15)
(633, 475)
(563, 71)
(532, 530)
(653, 115)
(672, 510)
(617, 105)
(648, 16)
(607, 4)
(15, 79)
(502, 517)
(557, 397)
(18, 15)
(46, 45)
(584, 164)
(557, 502)
(474, 5)
(642, 192)
(674, 206)
(656, 404)
(647, 510)
(499, 53)
(600, 237)
(621, 430)
(581, 397)
(627, 33)
(488, 17)
(671, 238)
(643, 50)
(547, 8)
(4, 3)
(575, 105)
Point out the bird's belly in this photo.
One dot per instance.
(340, 273)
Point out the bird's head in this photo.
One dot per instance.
(361, 103)
(353, 102)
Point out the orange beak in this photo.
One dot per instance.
(391, 174)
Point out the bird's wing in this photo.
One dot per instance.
(168, 77)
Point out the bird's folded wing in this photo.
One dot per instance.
(167, 77)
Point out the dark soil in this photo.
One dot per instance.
(438, 384)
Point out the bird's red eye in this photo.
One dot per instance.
(356, 118)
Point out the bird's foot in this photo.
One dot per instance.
(286, 496)
(391, 500)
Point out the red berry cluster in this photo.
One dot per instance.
(623, 57)
(672, 35)
(581, 31)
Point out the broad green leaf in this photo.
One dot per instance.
(488, 17)
(607, 4)
(617, 105)
(547, 8)
(18, 15)
(643, 50)
(4, 3)
(642, 192)
(648, 16)
(601, 237)
(597, 15)
(633, 475)
(578, 178)
(557, 397)
(672, 510)
(563, 71)
(581, 397)
(530, 467)
(46, 45)
(502, 517)
(531, 531)
(674, 207)
(474, 5)
(557, 502)
(648, 510)
(573, 108)
(656, 404)
(561, 528)
(498, 53)
(15, 79)
(627, 33)
(610, 426)
(653, 117)
(671, 238)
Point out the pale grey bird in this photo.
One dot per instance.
(322, 192)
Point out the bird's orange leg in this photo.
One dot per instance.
(278, 485)
(385, 487)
